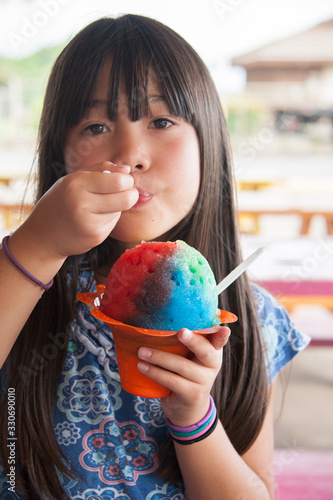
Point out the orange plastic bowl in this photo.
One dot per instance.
(128, 339)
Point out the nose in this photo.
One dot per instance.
(129, 146)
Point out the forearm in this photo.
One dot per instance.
(18, 294)
(212, 469)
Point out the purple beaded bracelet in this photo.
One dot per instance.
(21, 268)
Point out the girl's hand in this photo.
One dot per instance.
(80, 210)
(189, 379)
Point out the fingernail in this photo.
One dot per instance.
(186, 335)
(125, 167)
(224, 333)
(143, 367)
(227, 334)
(144, 353)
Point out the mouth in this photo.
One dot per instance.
(144, 198)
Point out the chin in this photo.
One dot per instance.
(136, 236)
(130, 230)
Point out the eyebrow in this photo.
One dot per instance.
(96, 103)
(156, 98)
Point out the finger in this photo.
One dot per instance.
(220, 338)
(101, 167)
(105, 224)
(109, 167)
(102, 182)
(105, 183)
(170, 368)
(201, 347)
(176, 382)
(115, 202)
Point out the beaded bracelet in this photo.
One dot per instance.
(21, 268)
(196, 432)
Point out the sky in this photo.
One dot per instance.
(217, 29)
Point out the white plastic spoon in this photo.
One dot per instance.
(231, 277)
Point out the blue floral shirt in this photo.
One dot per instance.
(110, 436)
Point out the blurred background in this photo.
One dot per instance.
(272, 63)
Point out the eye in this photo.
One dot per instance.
(96, 129)
(161, 123)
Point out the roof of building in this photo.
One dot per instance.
(313, 47)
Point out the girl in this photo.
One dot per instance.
(131, 97)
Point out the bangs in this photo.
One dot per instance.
(138, 51)
(141, 53)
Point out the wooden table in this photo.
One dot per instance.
(255, 185)
(14, 213)
(254, 216)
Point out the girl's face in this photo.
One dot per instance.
(162, 151)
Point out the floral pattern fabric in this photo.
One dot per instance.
(110, 436)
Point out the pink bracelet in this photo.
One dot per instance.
(21, 268)
(198, 424)
(196, 432)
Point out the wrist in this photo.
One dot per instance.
(195, 432)
(34, 279)
(189, 414)
(33, 257)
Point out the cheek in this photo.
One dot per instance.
(190, 167)
(184, 182)
(82, 152)
(72, 159)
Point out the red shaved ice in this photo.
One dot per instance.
(161, 286)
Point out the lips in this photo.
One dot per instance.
(144, 198)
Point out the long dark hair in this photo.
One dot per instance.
(138, 46)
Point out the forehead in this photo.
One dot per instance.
(108, 80)
(128, 79)
(139, 56)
